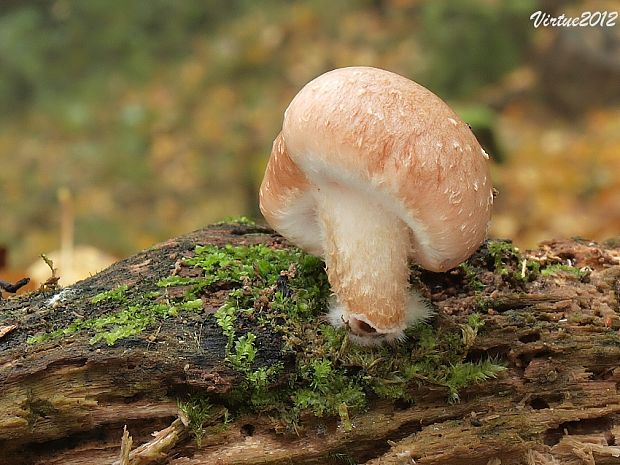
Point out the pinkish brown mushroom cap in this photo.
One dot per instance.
(372, 170)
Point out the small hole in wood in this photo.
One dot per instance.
(604, 372)
(248, 429)
(526, 357)
(552, 437)
(531, 337)
(538, 403)
(402, 404)
(610, 438)
(587, 426)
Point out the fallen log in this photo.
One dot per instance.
(210, 349)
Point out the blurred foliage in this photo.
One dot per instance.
(561, 180)
(478, 43)
(159, 115)
(75, 47)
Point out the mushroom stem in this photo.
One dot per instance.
(366, 248)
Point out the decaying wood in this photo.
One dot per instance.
(126, 443)
(67, 402)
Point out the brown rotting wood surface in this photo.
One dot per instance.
(66, 402)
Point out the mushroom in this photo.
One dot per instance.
(372, 171)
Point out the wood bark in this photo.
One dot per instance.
(66, 401)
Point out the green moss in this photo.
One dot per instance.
(435, 356)
(469, 331)
(237, 220)
(345, 420)
(482, 303)
(471, 275)
(75, 326)
(533, 267)
(461, 375)
(117, 294)
(286, 291)
(244, 352)
(501, 252)
(323, 389)
(129, 321)
(559, 268)
(288, 282)
(202, 416)
(226, 317)
(340, 458)
(508, 262)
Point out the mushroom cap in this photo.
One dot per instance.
(381, 134)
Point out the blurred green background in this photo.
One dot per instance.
(158, 115)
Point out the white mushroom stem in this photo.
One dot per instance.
(365, 249)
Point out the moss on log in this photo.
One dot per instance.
(223, 354)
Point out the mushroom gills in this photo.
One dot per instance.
(366, 247)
